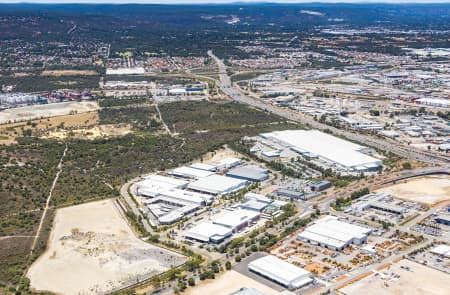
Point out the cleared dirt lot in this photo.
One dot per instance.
(92, 250)
(227, 283)
(58, 73)
(220, 154)
(417, 280)
(93, 132)
(46, 110)
(428, 190)
(9, 132)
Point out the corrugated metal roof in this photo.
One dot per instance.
(280, 271)
(334, 149)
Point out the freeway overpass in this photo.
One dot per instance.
(417, 173)
(226, 86)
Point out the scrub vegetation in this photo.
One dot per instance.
(95, 169)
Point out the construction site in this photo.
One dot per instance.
(403, 277)
(85, 256)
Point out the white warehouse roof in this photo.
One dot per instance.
(166, 179)
(171, 217)
(257, 197)
(228, 162)
(207, 231)
(126, 71)
(328, 147)
(187, 196)
(203, 166)
(154, 184)
(442, 250)
(217, 184)
(190, 172)
(236, 218)
(435, 101)
(283, 272)
(177, 91)
(332, 232)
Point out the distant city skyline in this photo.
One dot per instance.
(223, 1)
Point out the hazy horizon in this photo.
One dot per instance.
(222, 1)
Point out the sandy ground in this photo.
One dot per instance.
(216, 156)
(75, 120)
(69, 73)
(269, 189)
(46, 110)
(427, 190)
(92, 250)
(416, 281)
(9, 132)
(92, 133)
(227, 283)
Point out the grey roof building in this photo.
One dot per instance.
(293, 194)
(249, 173)
(320, 185)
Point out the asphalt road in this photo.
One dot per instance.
(130, 202)
(227, 87)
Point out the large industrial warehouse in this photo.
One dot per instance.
(208, 232)
(168, 200)
(250, 173)
(188, 189)
(217, 185)
(153, 184)
(222, 226)
(237, 219)
(333, 234)
(189, 172)
(281, 272)
(331, 149)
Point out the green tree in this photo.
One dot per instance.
(407, 165)
(228, 265)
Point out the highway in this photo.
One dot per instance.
(440, 164)
(233, 92)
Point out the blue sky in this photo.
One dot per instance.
(223, 1)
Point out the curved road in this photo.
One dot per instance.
(226, 86)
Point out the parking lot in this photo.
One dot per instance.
(326, 264)
(383, 207)
(432, 260)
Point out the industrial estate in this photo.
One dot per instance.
(228, 149)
